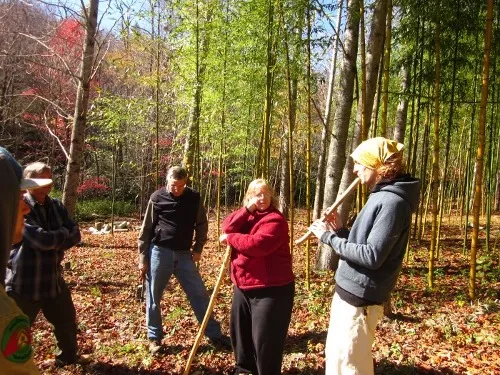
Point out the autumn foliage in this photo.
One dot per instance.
(95, 187)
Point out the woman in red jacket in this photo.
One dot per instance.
(261, 271)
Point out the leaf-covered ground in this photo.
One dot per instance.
(438, 332)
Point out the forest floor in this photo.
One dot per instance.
(431, 332)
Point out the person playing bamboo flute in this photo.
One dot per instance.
(264, 286)
(371, 254)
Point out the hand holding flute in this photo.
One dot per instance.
(331, 222)
(330, 219)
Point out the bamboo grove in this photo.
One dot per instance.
(282, 89)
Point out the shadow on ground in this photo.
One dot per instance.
(386, 367)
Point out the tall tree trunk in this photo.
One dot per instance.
(73, 166)
(442, 190)
(413, 126)
(387, 62)
(413, 165)
(412, 154)
(497, 194)
(362, 46)
(423, 175)
(374, 50)
(286, 183)
(402, 111)
(480, 149)
(157, 93)
(326, 259)
(308, 147)
(490, 165)
(496, 173)
(376, 102)
(222, 124)
(466, 204)
(263, 161)
(320, 177)
(435, 159)
(493, 160)
(191, 146)
(286, 173)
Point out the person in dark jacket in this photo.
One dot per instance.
(34, 271)
(16, 351)
(264, 287)
(370, 257)
(174, 214)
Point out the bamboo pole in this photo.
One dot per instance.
(332, 208)
(225, 263)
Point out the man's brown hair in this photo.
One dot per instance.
(177, 173)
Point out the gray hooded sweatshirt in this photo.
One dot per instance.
(372, 255)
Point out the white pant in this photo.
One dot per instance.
(350, 337)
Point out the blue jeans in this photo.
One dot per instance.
(164, 262)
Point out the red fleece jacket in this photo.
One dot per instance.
(261, 251)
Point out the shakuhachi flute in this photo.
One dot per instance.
(225, 264)
(332, 208)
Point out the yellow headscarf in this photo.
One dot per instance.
(373, 152)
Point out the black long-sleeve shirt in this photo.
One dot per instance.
(168, 222)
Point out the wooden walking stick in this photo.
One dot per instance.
(225, 263)
(331, 209)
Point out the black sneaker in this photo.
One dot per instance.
(223, 342)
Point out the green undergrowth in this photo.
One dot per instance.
(101, 208)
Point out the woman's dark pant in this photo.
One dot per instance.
(259, 325)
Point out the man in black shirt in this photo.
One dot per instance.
(174, 214)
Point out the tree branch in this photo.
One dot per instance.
(55, 136)
(74, 76)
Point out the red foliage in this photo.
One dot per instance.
(165, 142)
(95, 187)
(29, 92)
(53, 79)
(216, 173)
(68, 38)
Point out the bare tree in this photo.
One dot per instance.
(320, 177)
(374, 50)
(480, 150)
(402, 111)
(81, 107)
(338, 140)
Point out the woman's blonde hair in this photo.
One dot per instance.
(252, 187)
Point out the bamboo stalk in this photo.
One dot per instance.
(225, 263)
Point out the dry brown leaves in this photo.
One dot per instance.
(438, 332)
